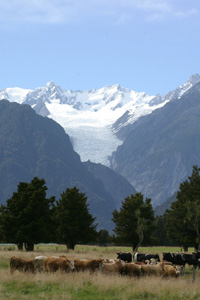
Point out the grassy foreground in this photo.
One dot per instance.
(86, 286)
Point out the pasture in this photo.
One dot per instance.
(86, 286)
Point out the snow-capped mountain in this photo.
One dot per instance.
(94, 118)
(160, 149)
(14, 94)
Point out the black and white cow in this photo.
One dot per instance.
(192, 259)
(143, 257)
(125, 256)
(174, 258)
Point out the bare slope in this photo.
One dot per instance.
(161, 148)
(32, 145)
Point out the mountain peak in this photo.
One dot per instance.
(50, 85)
(194, 78)
(53, 89)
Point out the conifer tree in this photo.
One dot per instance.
(183, 218)
(134, 223)
(26, 218)
(74, 222)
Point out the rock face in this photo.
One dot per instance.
(161, 148)
(112, 181)
(32, 145)
(157, 136)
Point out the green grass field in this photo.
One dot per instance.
(86, 286)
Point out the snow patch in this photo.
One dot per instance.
(88, 116)
(17, 94)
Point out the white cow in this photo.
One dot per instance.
(38, 263)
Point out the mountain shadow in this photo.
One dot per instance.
(32, 145)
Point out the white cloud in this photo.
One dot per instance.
(61, 11)
(155, 5)
(37, 11)
(186, 13)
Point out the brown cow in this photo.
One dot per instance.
(157, 270)
(171, 271)
(116, 267)
(21, 264)
(87, 264)
(53, 264)
(132, 269)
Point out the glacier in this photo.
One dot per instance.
(88, 116)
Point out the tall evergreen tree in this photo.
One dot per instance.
(103, 237)
(26, 217)
(134, 223)
(160, 232)
(183, 219)
(74, 222)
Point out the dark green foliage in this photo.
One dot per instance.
(160, 232)
(74, 222)
(103, 237)
(183, 219)
(26, 217)
(134, 223)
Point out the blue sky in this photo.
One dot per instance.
(144, 45)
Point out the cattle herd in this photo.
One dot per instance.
(171, 265)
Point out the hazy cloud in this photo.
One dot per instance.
(61, 11)
(37, 11)
(187, 13)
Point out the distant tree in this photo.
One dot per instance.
(183, 219)
(160, 233)
(103, 237)
(26, 217)
(74, 222)
(134, 223)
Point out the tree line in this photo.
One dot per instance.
(29, 218)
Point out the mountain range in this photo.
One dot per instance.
(32, 145)
(162, 147)
(151, 140)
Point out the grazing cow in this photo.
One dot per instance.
(157, 270)
(113, 268)
(125, 256)
(174, 258)
(38, 263)
(191, 259)
(171, 271)
(87, 264)
(53, 264)
(143, 257)
(179, 259)
(132, 269)
(21, 264)
(180, 269)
